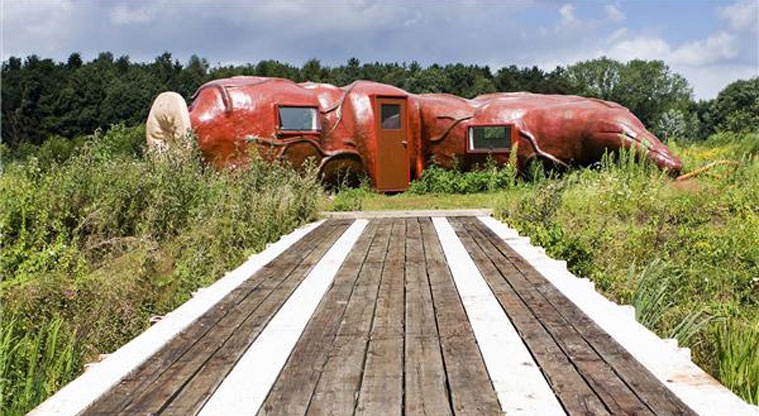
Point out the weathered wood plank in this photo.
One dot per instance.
(201, 384)
(518, 382)
(645, 387)
(425, 386)
(573, 391)
(183, 387)
(245, 388)
(381, 389)
(614, 393)
(340, 379)
(294, 387)
(137, 382)
(470, 389)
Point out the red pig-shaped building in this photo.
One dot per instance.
(391, 135)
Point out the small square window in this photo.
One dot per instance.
(490, 138)
(391, 116)
(298, 119)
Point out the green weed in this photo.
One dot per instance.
(737, 355)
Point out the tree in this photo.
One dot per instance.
(312, 71)
(648, 88)
(736, 107)
(595, 78)
(672, 124)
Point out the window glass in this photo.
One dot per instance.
(490, 138)
(298, 119)
(391, 116)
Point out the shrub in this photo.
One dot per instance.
(487, 178)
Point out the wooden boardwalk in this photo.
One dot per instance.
(391, 316)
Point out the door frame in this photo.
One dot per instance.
(376, 103)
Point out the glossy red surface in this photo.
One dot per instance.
(230, 114)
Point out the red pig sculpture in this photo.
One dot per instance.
(391, 135)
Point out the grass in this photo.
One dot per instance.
(685, 254)
(95, 242)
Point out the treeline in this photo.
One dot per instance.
(43, 98)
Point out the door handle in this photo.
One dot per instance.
(404, 143)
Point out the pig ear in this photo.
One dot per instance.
(168, 123)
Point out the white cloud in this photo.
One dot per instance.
(715, 48)
(125, 15)
(743, 14)
(614, 14)
(617, 35)
(35, 27)
(709, 80)
(567, 13)
(640, 47)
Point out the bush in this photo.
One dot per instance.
(487, 178)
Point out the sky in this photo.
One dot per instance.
(711, 43)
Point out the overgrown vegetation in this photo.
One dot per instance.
(684, 254)
(96, 238)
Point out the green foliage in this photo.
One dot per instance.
(34, 364)
(737, 355)
(94, 245)
(672, 124)
(655, 297)
(350, 199)
(487, 178)
(737, 107)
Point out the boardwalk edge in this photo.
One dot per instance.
(697, 389)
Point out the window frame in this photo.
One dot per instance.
(469, 142)
(287, 132)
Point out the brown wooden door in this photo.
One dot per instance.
(392, 173)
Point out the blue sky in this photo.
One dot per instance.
(711, 43)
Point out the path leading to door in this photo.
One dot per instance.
(420, 314)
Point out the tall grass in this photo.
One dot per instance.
(95, 243)
(737, 357)
(35, 364)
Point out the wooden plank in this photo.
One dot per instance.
(614, 393)
(697, 389)
(518, 382)
(340, 378)
(191, 379)
(381, 391)
(245, 388)
(138, 381)
(573, 391)
(470, 389)
(295, 385)
(643, 385)
(425, 387)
